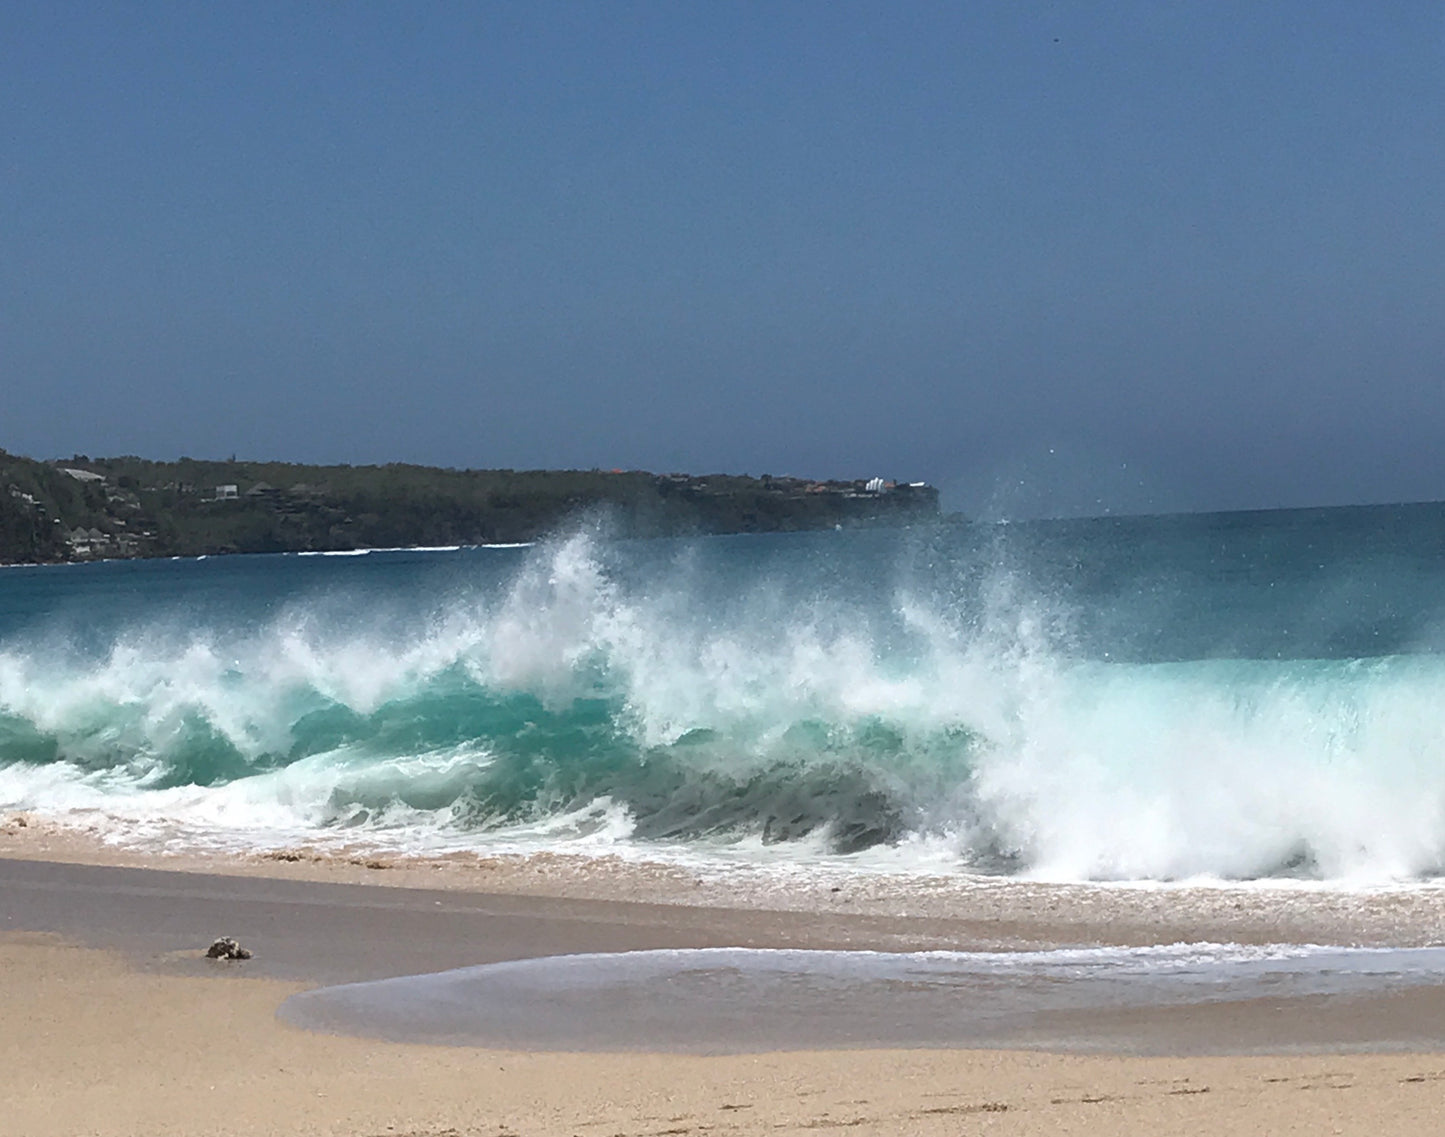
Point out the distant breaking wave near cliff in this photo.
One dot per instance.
(1236, 696)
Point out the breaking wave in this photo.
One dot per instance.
(584, 701)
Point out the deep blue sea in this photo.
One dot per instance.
(1236, 696)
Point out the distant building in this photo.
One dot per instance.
(88, 542)
(227, 493)
(874, 485)
(82, 475)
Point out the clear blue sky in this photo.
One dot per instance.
(1051, 256)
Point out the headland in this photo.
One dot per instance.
(85, 508)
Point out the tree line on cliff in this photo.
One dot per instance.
(84, 508)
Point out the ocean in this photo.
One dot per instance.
(1232, 698)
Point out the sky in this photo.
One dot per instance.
(1056, 258)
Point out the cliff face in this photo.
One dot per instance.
(129, 507)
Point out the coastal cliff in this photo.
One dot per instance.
(98, 508)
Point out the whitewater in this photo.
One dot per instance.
(1233, 697)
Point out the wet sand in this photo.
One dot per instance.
(115, 1025)
(820, 906)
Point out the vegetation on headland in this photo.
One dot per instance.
(85, 509)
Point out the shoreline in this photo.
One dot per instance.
(101, 1048)
(325, 922)
(318, 933)
(121, 1028)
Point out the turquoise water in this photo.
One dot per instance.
(1239, 696)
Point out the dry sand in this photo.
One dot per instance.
(136, 1034)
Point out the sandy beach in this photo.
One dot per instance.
(100, 1047)
(116, 1025)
